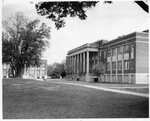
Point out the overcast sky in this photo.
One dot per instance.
(105, 21)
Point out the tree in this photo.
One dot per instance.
(50, 69)
(143, 5)
(98, 69)
(23, 42)
(57, 11)
(57, 69)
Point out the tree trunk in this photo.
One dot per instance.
(19, 71)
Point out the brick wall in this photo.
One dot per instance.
(142, 57)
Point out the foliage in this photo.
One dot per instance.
(50, 69)
(23, 42)
(57, 70)
(98, 69)
(143, 5)
(57, 11)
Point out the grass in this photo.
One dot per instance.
(31, 99)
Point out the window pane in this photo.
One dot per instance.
(114, 66)
(132, 51)
(132, 64)
(126, 65)
(108, 53)
(126, 49)
(108, 66)
(43, 72)
(32, 71)
(120, 50)
(119, 65)
(104, 54)
(114, 52)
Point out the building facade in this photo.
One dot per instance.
(31, 72)
(125, 59)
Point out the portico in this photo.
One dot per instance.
(79, 59)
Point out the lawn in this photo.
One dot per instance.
(31, 99)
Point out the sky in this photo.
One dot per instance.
(105, 21)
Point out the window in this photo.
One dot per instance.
(43, 72)
(114, 52)
(120, 50)
(104, 54)
(126, 65)
(113, 65)
(4, 72)
(43, 65)
(119, 65)
(108, 66)
(131, 64)
(132, 51)
(32, 71)
(100, 53)
(108, 53)
(126, 49)
(38, 72)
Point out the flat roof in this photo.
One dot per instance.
(96, 45)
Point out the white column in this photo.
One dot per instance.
(81, 65)
(84, 62)
(77, 64)
(40, 71)
(35, 72)
(122, 65)
(116, 64)
(7, 71)
(87, 67)
(46, 71)
(74, 65)
(111, 67)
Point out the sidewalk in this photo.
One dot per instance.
(131, 89)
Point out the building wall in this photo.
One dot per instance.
(6, 70)
(128, 66)
(142, 57)
(31, 72)
(36, 72)
(142, 62)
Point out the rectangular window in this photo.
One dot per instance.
(131, 64)
(4, 72)
(104, 54)
(126, 49)
(43, 72)
(114, 52)
(32, 71)
(120, 50)
(109, 53)
(126, 65)
(100, 53)
(38, 72)
(132, 51)
(119, 65)
(113, 65)
(43, 65)
(108, 66)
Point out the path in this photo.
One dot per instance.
(107, 89)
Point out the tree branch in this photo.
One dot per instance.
(143, 5)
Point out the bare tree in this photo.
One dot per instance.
(23, 42)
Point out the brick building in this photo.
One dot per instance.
(31, 72)
(125, 59)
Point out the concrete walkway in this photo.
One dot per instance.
(105, 89)
(130, 87)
